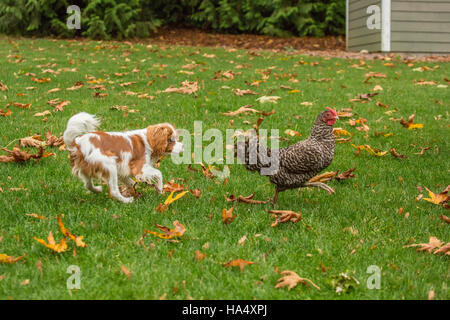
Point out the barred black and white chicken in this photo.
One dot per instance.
(292, 167)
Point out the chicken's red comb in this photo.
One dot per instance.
(332, 111)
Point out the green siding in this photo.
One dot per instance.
(359, 36)
(420, 26)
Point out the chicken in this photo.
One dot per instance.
(297, 164)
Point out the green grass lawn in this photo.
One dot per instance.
(318, 248)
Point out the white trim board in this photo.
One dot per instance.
(385, 25)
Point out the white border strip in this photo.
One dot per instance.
(385, 25)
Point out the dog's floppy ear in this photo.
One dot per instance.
(158, 139)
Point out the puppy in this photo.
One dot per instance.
(117, 156)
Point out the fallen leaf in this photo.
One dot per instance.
(199, 256)
(34, 215)
(285, 216)
(227, 215)
(17, 155)
(9, 259)
(77, 239)
(433, 244)
(177, 231)
(345, 175)
(369, 149)
(244, 109)
(187, 87)
(242, 240)
(238, 263)
(60, 247)
(240, 92)
(410, 123)
(396, 154)
(326, 176)
(265, 99)
(126, 271)
(438, 198)
(290, 279)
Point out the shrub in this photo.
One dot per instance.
(119, 19)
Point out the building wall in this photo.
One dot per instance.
(359, 37)
(420, 25)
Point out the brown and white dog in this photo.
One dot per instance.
(117, 156)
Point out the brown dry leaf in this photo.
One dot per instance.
(291, 279)
(32, 141)
(171, 186)
(445, 249)
(396, 154)
(345, 175)
(228, 216)
(53, 141)
(433, 244)
(242, 240)
(199, 256)
(17, 155)
(177, 231)
(35, 215)
(240, 92)
(238, 263)
(382, 105)
(445, 218)
(431, 295)
(186, 88)
(60, 106)
(410, 123)
(40, 80)
(126, 271)
(283, 216)
(3, 87)
(247, 199)
(244, 109)
(196, 192)
(54, 90)
(76, 86)
(6, 113)
(78, 239)
(60, 247)
(22, 105)
(371, 75)
(206, 171)
(42, 114)
(9, 259)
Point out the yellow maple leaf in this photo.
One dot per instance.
(438, 198)
(60, 247)
(369, 149)
(78, 239)
(177, 231)
(4, 258)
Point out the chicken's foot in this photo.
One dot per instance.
(319, 185)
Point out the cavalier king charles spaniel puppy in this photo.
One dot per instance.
(117, 156)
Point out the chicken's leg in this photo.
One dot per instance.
(319, 185)
(275, 197)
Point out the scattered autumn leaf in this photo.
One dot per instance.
(227, 215)
(78, 239)
(9, 259)
(290, 279)
(60, 247)
(369, 149)
(410, 123)
(238, 263)
(177, 231)
(438, 198)
(283, 216)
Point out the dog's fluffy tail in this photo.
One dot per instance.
(78, 125)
